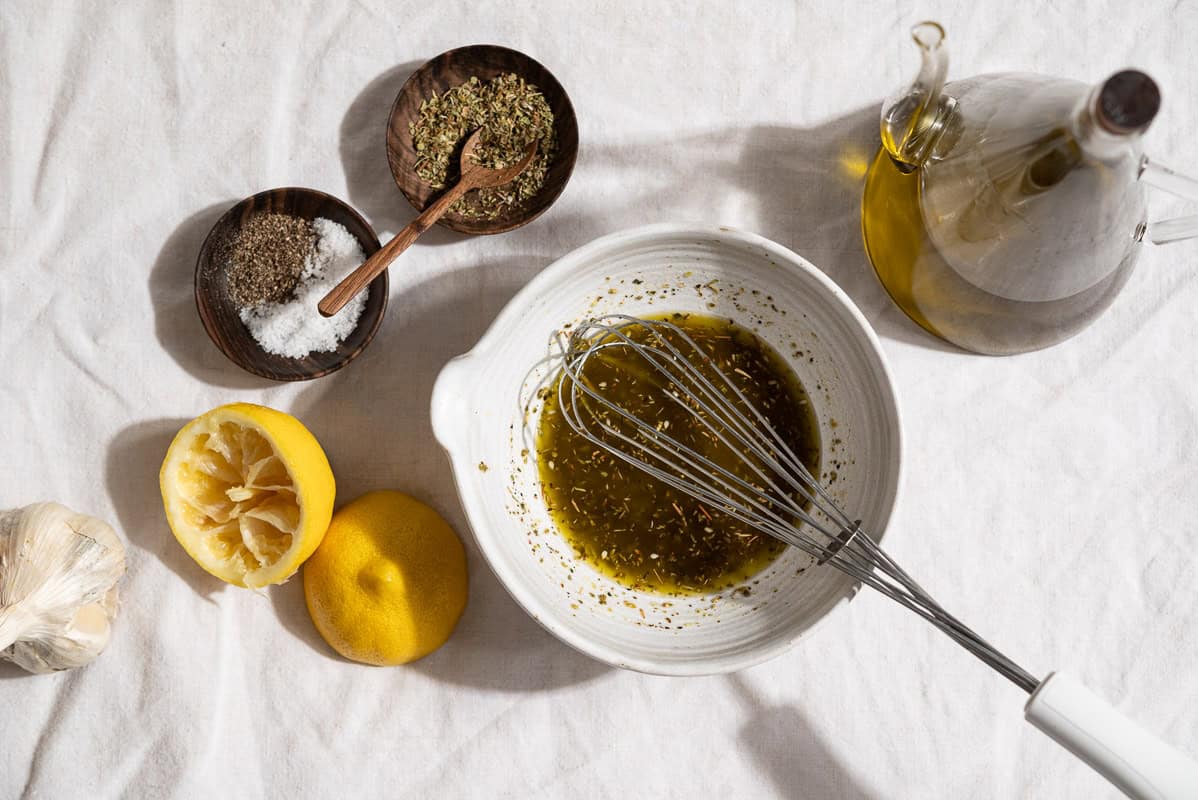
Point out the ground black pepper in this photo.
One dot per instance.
(266, 258)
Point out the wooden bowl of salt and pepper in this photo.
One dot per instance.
(248, 271)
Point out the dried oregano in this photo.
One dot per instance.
(511, 114)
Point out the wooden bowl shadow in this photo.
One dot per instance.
(219, 313)
(451, 69)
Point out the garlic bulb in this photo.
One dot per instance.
(58, 595)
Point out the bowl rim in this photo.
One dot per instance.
(472, 503)
(380, 285)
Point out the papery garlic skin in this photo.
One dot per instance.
(58, 586)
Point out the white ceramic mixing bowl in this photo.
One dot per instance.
(485, 409)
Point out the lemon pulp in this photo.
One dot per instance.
(248, 492)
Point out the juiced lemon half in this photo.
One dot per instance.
(248, 493)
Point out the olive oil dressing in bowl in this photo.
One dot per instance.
(638, 530)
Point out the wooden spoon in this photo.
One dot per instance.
(474, 176)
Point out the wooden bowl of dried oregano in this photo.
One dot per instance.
(263, 268)
(514, 100)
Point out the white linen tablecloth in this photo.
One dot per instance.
(1049, 498)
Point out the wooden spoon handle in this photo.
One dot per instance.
(361, 277)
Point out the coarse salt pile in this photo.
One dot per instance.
(296, 328)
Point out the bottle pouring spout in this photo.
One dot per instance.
(914, 117)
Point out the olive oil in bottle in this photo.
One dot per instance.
(936, 296)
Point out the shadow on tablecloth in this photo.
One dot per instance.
(177, 324)
(131, 476)
(800, 186)
(10, 671)
(794, 757)
(363, 145)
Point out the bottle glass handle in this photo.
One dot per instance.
(1165, 179)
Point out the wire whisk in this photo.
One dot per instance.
(760, 482)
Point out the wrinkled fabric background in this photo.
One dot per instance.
(1049, 498)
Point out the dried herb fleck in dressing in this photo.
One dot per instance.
(637, 529)
(511, 113)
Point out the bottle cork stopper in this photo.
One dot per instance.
(1128, 102)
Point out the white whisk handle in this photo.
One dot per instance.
(1140, 765)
